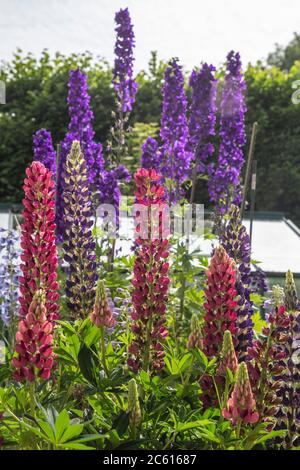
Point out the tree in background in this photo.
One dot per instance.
(284, 57)
(36, 92)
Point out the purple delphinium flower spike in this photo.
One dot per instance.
(150, 158)
(175, 156)
(125, 90)
(10, 257)
(79, 245)
(224, 182)
(236, 242)
(202, 115)
(124, 84)
(80, 128)
(43, 150)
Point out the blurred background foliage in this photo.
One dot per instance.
(36, 93)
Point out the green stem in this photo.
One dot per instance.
(32, 398)
(133, 432)
(217, 393)
(182, 296)
(103, 350)
(146, 361)
(238, 432)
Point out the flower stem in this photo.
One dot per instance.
(32, 397)
(103, 350)
(238, 432)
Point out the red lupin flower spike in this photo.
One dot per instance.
(39, 253)
(220, 305)
(241, 405)
(151, 279)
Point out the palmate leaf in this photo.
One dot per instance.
(185, 362)
(259, 323)
(47, 430)
(193, 424)
(200, 357)
(70, 433)
(92, 336)
(61, 424)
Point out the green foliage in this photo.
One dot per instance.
(284, 57)
(36, 97)
(36, 92)
(86, 405)
(269, 101)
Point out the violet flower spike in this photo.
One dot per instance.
(150, 158)
(43, 150)
(224, 183)
(202, 115)
(80, 128)
(124, 84)
(175, 156)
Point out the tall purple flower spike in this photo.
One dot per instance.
(202, 115)
(80, 128)
(43, 150)
(125, 89)
(224, 183)
(125, 86)
(175, 157)
(236, 242)
(150, 158)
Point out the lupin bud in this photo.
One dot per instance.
(241, 405)
(290, 293)
(102, 314)
(228, 355)
(195, 338)
(134, 409)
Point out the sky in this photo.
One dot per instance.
(193, 30)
